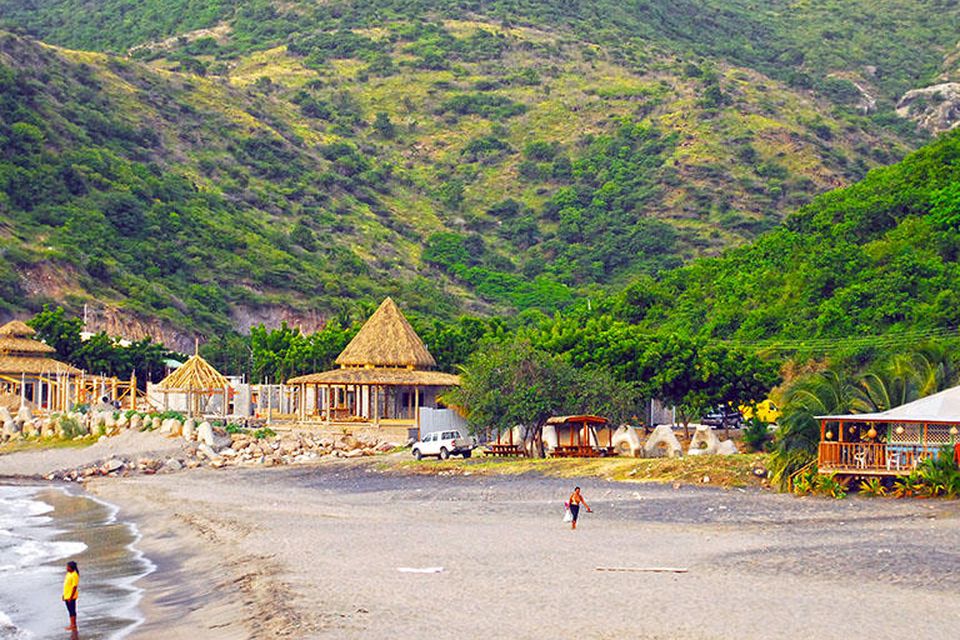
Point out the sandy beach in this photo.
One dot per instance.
(314, 552)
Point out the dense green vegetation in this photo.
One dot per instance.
(100, 354)
(902, 40)
(878, 258)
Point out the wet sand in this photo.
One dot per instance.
(313, 552)
(46, 526)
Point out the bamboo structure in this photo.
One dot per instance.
(199, 381)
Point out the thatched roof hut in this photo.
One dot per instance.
(197, 375)
(387, 340)
(21, 354)
(385, 376)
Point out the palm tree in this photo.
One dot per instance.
(795, 447)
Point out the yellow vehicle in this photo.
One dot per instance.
(766, 411)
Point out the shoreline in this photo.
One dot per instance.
(46, 524)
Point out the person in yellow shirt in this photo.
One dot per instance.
(71, 589)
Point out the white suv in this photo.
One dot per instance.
(443, 444)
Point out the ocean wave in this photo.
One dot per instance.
(10, 631)
(34, 552)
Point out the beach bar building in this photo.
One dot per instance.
(890, 442)
(386, 376)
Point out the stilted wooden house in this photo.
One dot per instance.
(386, 377)
(890, 442)
(29, 372)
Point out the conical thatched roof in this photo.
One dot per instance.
(20, 354)
(386, 340)
(17, 328)
(196, 374)
(16, 338)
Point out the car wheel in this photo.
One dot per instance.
(444, 454)
(467, 454)
(417, 454)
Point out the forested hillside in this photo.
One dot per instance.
(227, 162)
(869, 268)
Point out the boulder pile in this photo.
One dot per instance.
(204, 444)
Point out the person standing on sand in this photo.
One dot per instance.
(575, 501)
(71, 589)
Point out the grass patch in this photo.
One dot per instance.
(723, 471)
(37, 444)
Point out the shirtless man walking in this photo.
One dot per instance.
(575, 501)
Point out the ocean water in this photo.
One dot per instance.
(41, 528)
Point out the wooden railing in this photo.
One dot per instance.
(872, 457)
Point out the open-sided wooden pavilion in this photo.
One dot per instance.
(199, 382)
(29, 372)
(581, 436)
(386, 376)
(893, 442)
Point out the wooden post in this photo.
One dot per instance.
(416, 408)
(269, 401)
(327, 389)
(133, 390)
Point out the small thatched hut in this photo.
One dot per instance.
(29, 373)
(385, 377)
(199, 382)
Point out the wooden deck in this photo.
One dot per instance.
(872, 459)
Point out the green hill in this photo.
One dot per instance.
(234, 162)
(867, 268)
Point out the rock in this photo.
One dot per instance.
(176, 428)
(172, 465)
(221, 439)
(205, 451)
(24, 414)
(228, 453)
(384, 447)
(290, 446)
(935, 108)
(189, 429)
(353, 453)
(10, 428)
(205, 433)
(5, 415)
(112, 465)
(136, 422)
(347, 443)
(123, 422)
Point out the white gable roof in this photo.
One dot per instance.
(939, 407)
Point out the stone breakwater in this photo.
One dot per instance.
(209, 446)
